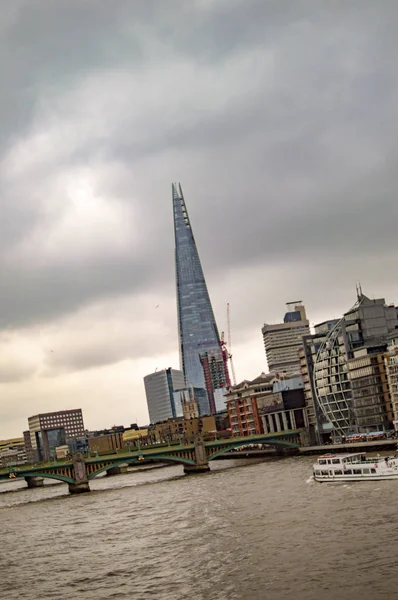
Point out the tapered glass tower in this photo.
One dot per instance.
(197, 329)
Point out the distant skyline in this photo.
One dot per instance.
(278, 118)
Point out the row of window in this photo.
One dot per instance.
(365, 471)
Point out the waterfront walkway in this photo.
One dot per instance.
(350, 447)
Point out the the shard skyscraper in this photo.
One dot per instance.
(197, 329)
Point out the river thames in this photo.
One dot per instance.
(247, 530)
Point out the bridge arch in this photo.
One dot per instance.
(227, 448)
(45, 475)
(135, 459)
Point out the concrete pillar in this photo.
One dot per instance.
(117, 470)
(304, 438)
(271, 424)
(285, 423)
(34, 482)
(278, 422)
(265, 424)
(80, 485)
(201, 463)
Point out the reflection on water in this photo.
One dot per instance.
(243, 531)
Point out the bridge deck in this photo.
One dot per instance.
(213, 447)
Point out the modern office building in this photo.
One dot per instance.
(160, 388)
(49, 430)
(337, 362)
(197, 329)
(283, 341)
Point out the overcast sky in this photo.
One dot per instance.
(278, 117)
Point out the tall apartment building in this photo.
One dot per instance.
(49, 430)
(391, 363)
(160, 388)
(215, 371)
(334, 370)
(283, 341)
(371, 400)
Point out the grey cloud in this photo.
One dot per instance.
(277, 117)
(267, 175)
(14, 372)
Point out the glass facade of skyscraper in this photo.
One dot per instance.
(196, 323)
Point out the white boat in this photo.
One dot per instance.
(355, 467)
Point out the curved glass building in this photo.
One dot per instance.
(346, 367)
(331, 381)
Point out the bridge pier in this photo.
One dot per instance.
(201, 462)
(118, 470)
(79, 488)
(80, 485)
(192, 469)
(34, 482)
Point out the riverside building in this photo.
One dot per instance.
(160, 388)
(391, 363)
(49, 430)
(342, 369)
(283, 341)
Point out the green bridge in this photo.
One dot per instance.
(195, 458)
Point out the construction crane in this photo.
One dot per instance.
(225, 357)
(230, 345)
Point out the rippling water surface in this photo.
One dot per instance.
(244, 531)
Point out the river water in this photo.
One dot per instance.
(248, 530)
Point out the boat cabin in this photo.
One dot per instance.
(332, 465)
(339, 459)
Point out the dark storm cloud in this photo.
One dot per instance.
(285, 145)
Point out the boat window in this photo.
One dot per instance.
(338, 472)
(331, 472)
(336, 461)
(318, 472)
(348, 472)
(329, 462)
(373, 470)
(322, 462)
(366, 471)
(357, 471)
(325, 472)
